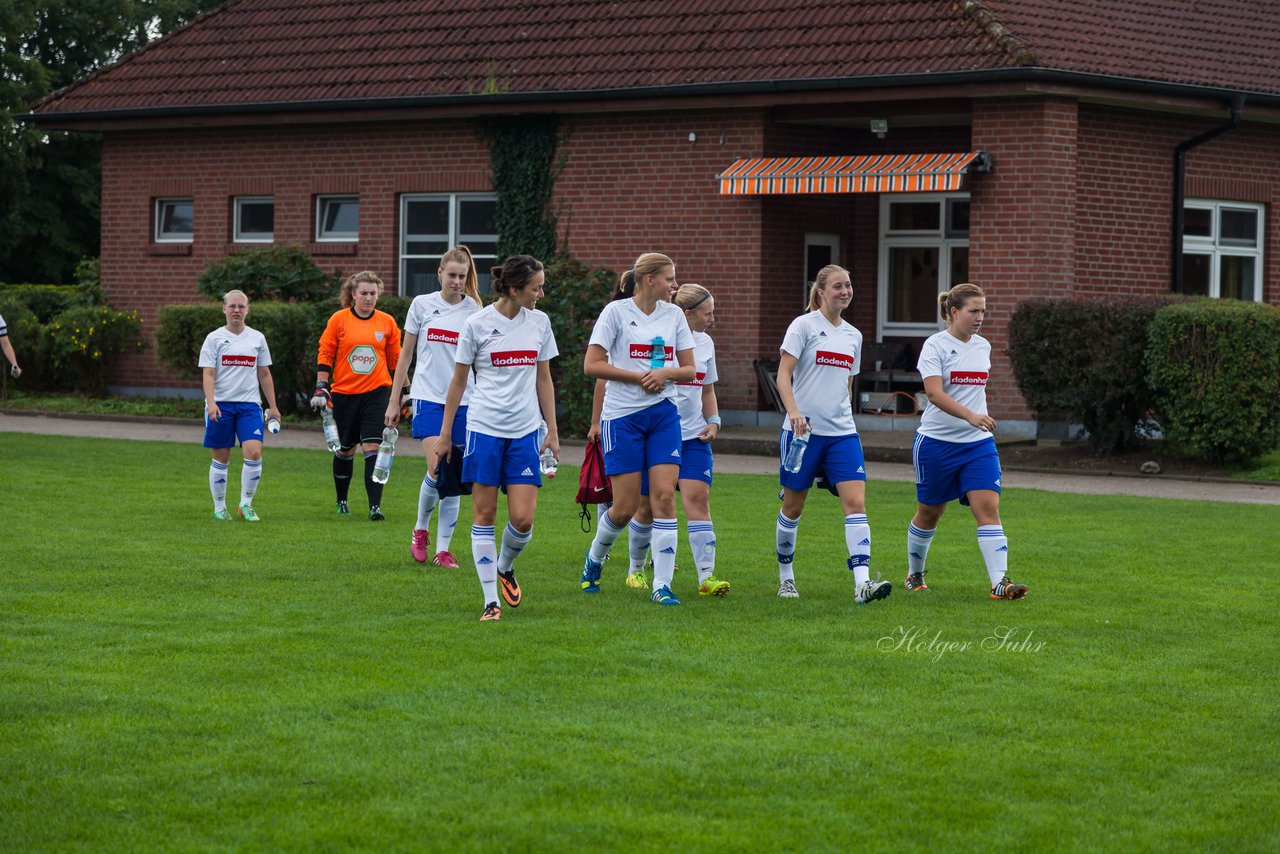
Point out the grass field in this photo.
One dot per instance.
(168, 682)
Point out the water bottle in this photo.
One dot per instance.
(795, 452)
(546, 460)
(273, 425)
(331, 440)
(658, 355)
(386, 454)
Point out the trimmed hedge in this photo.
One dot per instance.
(48, 301)
(283, 273)
(1085, 359)
(1215, 368)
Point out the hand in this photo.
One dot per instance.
(653, 381)
(709, 433)
(16, 371)
(799, 424)
(213, 411)
(983, 422)
(272, 412)
(553, 443)
(593, 434)
(321, 399)
(443, 448)
(392, 416)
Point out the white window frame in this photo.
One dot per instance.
(1215, 250)
(832, 242)
(236, 204)
(483, 260)
(158, 214)
(933, 238)
(336, 236)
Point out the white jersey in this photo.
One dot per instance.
(963, 366)
(437, 325)
(505, 354)
(826, 357)
(4, 328)
(627, 335)
(235, 360)
(689, 395)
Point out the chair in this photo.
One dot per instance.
(884, 364)
(767, 373)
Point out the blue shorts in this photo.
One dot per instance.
(429, 415)
(950, 470)
(641, 440)
(493, 461)
(839, 458)
(695, 464)
(241, 421)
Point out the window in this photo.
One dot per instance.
(432, 224)
(924, 250)
(174, 218)
(1222, 250)
(337, 218)
(819, 251)
(254, 219)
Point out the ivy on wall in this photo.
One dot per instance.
(522, 152)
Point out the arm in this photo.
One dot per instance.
(654, 381)
(710, 410)
(786, 365)
(325, 356)
(269, 389)
(948, 404)
(7, 346)
(596, 364)
(209, 405)
(597, 406)
(397, 382)
(444, 442)
(547, 403)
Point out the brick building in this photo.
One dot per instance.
(352, 128)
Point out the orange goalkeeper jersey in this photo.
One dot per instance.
(363, 352)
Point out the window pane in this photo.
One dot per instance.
(959, 265)
(1195, 274)
(176, 218)
(339, 217)
(427, 217)
(476, 217)
(420, 276)
(257, 219)
(1235, 276)
(1197, 222)
(957, 218)
(426, 247)
(1239, 228)
(913, 284)
(914, 216)
(479, 247)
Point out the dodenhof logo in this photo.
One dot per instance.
(363, 359)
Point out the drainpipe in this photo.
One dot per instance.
(1179, 185)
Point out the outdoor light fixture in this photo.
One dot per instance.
(693, 137)
(880, 127)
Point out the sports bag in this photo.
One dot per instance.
(593, 483)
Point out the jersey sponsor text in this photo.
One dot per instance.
(443, 336)
(514, 358)
(231, 360)
(968, 377)
(645, 351)
(833, 360)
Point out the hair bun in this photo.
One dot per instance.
(496, 273)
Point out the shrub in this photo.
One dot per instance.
(25, 335)
(574, 298)
(85, 341)
(1084, 359)
(48, 301)
(284, 273)
(1215, 369)
(181, 330)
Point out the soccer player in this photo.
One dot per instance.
(955, 452)
(819, 357)
(359, 349)
(7, 346)
(235, 363)
(508, 346)
(641, 346)
(431, 331)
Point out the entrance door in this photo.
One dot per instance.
(819, 251)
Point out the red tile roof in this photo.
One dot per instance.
(297, 51)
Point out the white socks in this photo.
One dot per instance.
(427, 498)
(218, 484)
(995, 551)
(250, 474)
(857, 537)
(785, 535)
(484, 553)
(513, 542)
(638, 539)
(448, 522)
(664, 552)
(606, 533)
(702, 542)
(918, 540)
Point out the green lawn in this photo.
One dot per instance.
(168, 682)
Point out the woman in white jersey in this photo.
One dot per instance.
(235, 363)
(508, 346)
(431, 331)
(955, 453)
(819, 357)
(641, 346)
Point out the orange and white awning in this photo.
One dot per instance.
(864, 173)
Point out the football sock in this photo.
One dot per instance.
(857, 537)
(371, 487)
(427, 498)
(448, 521)
(665, 534)
(918, 540)
(218, 484)
(638, 538)
(785, 534)
(513, 542)
(995, 551)
(602, 509)
(342, 468)
(702, 542)
(484, 553)
(250, 474)
(606, 533)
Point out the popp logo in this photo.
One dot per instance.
(363, 359)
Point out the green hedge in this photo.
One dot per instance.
(1084, 360)
(283, 273)
(48, 301)
(62, 340)
(1215, 368)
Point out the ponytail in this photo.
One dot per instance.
(955, 299)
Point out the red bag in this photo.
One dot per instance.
(593, 483)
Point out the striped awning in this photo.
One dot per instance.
(865, 173)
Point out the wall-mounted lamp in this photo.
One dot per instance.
(693, 137)
(880, 127)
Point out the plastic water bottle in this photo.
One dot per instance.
(386, 455)
(658, 355)
(546, 460)
(331, 440)
(795, 452)
(273, 425)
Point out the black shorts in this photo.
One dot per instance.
(361, 417)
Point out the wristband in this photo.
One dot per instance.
(715, 419)
(322, 385)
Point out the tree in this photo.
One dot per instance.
(50, 182)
